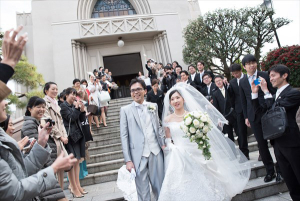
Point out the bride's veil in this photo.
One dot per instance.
(228, 163)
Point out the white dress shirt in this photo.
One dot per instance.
(208, 88)
(238, 79)
(253, 77)
(193, 76)
(201, 74)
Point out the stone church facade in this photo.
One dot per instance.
(68, 38)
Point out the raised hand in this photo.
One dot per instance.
(263, 85)
(254, 87)
(63, 163)
(23, 142)
(11, 48)
(44, 135)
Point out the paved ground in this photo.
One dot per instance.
(110, 191)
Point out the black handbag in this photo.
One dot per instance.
(274, 122)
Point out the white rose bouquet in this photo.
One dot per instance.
(196, 126)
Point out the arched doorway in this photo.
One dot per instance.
(124, 68)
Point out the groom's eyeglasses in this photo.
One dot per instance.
(136, 90)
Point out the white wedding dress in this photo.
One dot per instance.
(188, 176)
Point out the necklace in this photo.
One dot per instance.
(180, 115)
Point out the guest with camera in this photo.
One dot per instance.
(70, 112)
(222, 101)
(34, 112)
(286, 146)
(236, 72)
(21, 178)
(58, 132)
(169, 80)
(253, 119)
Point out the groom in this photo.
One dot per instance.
(142, 141)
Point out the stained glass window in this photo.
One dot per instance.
(109, 8)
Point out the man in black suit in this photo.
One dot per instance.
(222, 102)
(236, 72)
(156, 96)
(286, 147)
(169, 80)
(198, 79)
(192, 77)
(253, 119)
(209, 87)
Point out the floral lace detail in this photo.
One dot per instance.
(186, 176)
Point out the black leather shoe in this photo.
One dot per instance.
(269, 177)
(279, 178)
(259, 158)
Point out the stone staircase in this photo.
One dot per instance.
(106, 158)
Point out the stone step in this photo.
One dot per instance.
(105, 149)
(111, 127)
(105, 166)
(97, 158)
(96, 178)
(107, 141)
(257, 188)
(107, 135)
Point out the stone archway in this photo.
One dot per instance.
(85, 8)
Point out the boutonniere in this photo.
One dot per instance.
(151, 108)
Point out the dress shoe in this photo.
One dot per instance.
(259, 158)
(279, 178)
(248, 158)
(269, 177)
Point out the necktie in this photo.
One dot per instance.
(223, 91)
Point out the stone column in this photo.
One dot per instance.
(156, 45)
(168, 52)
(75, 63)
(84, 62)
(163, 55)
(78, 45)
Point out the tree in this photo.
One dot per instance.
(261, 29)
(218, 35)
(289, 56)
(220, 38)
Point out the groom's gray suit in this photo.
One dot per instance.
(142, 139)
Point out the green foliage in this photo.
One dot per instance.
(289, 56)
(27, 75)
(221, 37)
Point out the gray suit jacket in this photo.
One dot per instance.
(132, 135)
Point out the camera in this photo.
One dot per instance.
(44, 121)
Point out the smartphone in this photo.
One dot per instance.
(27, 146)
(257, 81)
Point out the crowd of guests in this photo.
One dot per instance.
(57, 128)
(243, 104)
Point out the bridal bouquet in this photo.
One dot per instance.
(196, 126)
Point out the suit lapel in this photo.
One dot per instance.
(285, 91)
(136, 115)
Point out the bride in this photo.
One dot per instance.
(188, 176)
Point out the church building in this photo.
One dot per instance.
(69, 38)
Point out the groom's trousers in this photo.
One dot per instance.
(151, 170)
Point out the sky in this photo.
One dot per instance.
(288, 35)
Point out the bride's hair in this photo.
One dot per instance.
(173, 92)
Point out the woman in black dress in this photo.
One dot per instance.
(70, 111)
(156, 96)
